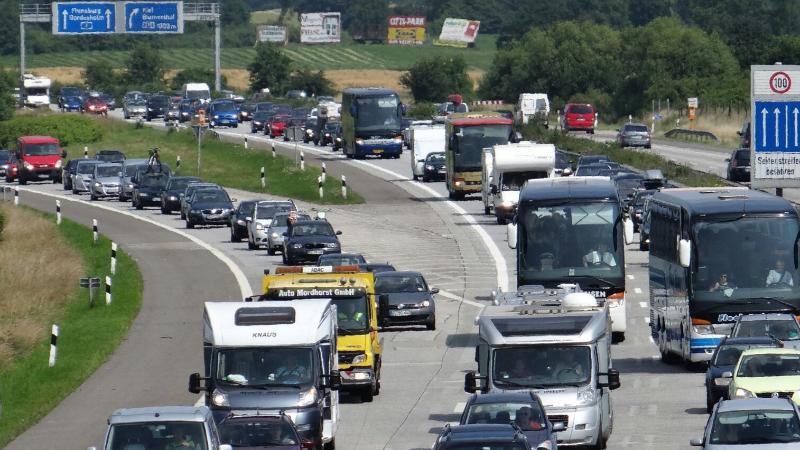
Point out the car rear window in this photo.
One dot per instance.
(636, 128)
(743, 156)
(580, 109)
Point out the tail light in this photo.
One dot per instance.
(734, 162)
(307, 444)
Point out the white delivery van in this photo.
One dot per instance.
(37, 90)
(197, 91)
(425, 139)
(530, 106)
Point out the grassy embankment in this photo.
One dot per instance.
(40, 264)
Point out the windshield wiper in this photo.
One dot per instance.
(272, 385)
(773, 299)
(598, 279)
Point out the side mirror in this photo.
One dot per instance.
(628, 224)
(250, 219)
(511, 235)
(195, 383)
(559, 426)
(338, 233)
(727, 374)
(470, 382)
(63, 153)
(685, 252)
(434, 290)
(334, 380)
(727, 160)
(493, 189)
(613, 380)
(696, 442)
(383, 304)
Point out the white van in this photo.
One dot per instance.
(197, 91)
(425, 139)
(530, 106)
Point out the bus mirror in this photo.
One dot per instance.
(685, 252)
(628, 224)
(511, 235)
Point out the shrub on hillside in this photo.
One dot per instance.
(69, 129)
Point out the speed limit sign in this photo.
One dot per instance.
(780, 82)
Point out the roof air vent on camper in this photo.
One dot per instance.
(264, 316)
(579, 301)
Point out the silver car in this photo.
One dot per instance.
(634, 135)
(276, 229)
(762, 423)
(262, 218)
(135, 107)
(105, 181)
(128, 170)
(83, 175)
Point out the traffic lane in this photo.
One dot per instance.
(178, 276)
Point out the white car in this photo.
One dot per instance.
(259, 223)
(83, 176)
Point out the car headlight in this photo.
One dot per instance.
(97, 184)
(308, 132)
(143, 194)
(194, 211)
(703, 329)
(216, 116)
(362, 358)
(586, 396)
(130, 185)
(28, 165)
(722, 381)
(257, 122)
(259, 226)
(149, 109)
(327, 135)
(425, 304)
(743, 393)
(308, 398)
(58, 163)
(274, 235)
(338, 139)
(506, 204)
(240, 222)
(297, 245)
(359, 141)
(429, 167)
(173, 198)
(331, 245)
(398, 140)
(219, 398)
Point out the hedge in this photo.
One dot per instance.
(69, 129)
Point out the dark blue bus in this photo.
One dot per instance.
(372, 123)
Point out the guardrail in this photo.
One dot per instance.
(691, 134)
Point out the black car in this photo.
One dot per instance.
(171, 199)
(157, 106)
(186, 109)
(739, 165)
(239, 219)
(5, 158)
(149, 190)
(592, 159)
(404, 298)
(310, 130)
(636, 206)
(627, 183)
(563, 163)
(744, 135)
(259, 431)
(143, 170)
(341, 259)
(644, 232)
(597, 169)
(331, 134)
(724, 359)
(209, 207)
(482, 436)
(258, 120)
(306, 240)
(376, 267)
(523, 408)
(246, 111)
(434, 167)
(110, 155)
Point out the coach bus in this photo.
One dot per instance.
(372, 123)
(717, 253)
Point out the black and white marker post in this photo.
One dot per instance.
(245, 142)
(319, 184)
(178, 163)
(113, 258)
(53, 345)
(95, 235)
(324, 172)
(274, 155)
(302, 161)
(16, 196)
(58, 212)
(85, 152)
(263, 178)
(108, 290)
(344, 186)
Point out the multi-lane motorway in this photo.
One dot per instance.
(408, 223)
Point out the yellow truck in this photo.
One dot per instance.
(353, 293)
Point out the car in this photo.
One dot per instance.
(434, 167)
(239, 218)
(5, 157)
(264, 106)
(636, 206)
(739, 166)
(597, 169)
(564, 162)
(132, 95)
(779, 326)
(261, 219)
(592, 159)
(280, 225)
(258, 120)
(296, 94)
(69, 92)
(157, 106)
(763, 423)
(306, 240)
(209, 207)
(277, 125)
(766, 372)
(110, 155)
(523, 407)
(644, 230)
(578, 117)
(482, 437)
(725, 357)
(162, 427)
(135, 107)
(331, 134)
(341, 259)
(173, 193)
(223, 113)
(186, 109)
(744, 135)
(150, 190)
(105, 180)
(634, 135)
(190, 190)
(128, 170)
(376, 267)
(259, 431)
(294, 129)
(143, 170)
(627, 184)
(173, 113)
(405, 299)
(11, 168)
(310, 130)
(38, 158)
(72, 103)
(246, 111)
(82, 178)
(95, 105)
(110, 100)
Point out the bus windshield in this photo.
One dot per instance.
(471, 140)
(572, 240)
(767, 244)
(378, 113)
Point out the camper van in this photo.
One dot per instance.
(197, 91)
(425, 139)
(37, 90)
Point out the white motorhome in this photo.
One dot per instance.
(506, 168)
(424, 139)
(530, 106)
(557, 343)
(273, 358)
(37, 90)
(197, 91)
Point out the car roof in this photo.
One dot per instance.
(160, 414)
(500, 397)
(310, 222)
(341, 255)
(401, 273)
(634, 124)
(753, 404)
(769, 316)
(90, 161)
(38, 140)
(770, 351)
(574, 187)
(482, 432)
(109, 164)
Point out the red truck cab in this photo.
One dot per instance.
(579, 117)
(39, 158)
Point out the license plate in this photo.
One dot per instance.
(379, 150)
(580, 119)
(156, 199)
(315, 252)
(747, 169)
(399, 312)
(442, 171)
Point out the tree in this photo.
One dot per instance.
(313, 83)
(271, 69)
(8, 81)
(100, 75)
(194, 75)
(432, 79)
(145, 66)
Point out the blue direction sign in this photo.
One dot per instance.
(154, 17)
(84, 18)
(775, 128)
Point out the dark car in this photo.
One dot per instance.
(258, 431)
(627, 184)
(644, 231)
(246, 111)
(523, 408)
(143, 170)
(223, 113)
(564, 163)
(209, 207)
(597, 169)
(634, 135)
(306, 240)
(744, 135)
(434, 167)
(405, 299)
(95, 105)
(310, 130)
(186, 109)
(73, 103)
(258, 121)
(331, 134)
(341, 259)
(157, 106)
(190, 191)
(636, 206)
(264, 106)
(149, 190)
(5, 157)
(110, 155)
(724, 360)
(739, 165)
(592, 159)
(173, 192)
(239, 217)
(482, 437)
(376, 267)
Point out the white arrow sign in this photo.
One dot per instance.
(795, 112)
(786, 126)
(777, 129)
(764, 127)
(108, 19)
(134, 11)
(64, 14)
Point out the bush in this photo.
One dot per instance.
(421, 110)
(68, 129)
(434, 78)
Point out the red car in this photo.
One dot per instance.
(578, 117)
(11, 169)
(38, 158)
(95, 105)
(277, 124)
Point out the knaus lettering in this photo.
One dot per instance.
(268, 334)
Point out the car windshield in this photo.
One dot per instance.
(137, 102)
(85, 168)
(41, 149)
(555, 365)
(4, 156)
(270, 366)
(225, 106)
(513, 181)
(755, 427)
(352, 314)
(282, 220)
(340, 260)
(591, 170)
(378, 113)
(769, 365)
(728, 354)
(211, 196)
(255, 432)
(592, 159)
(435, 158)
(482, 446)
(157, 435)
(159, 100)
(313, 229)
(130, 170)
(70, 92)
(158, 181)
(635, 128)
(580, 109)
(180, 183)
(527, 415)
(400, 283)
(268, 211)
(642, 197)
(784, 330)
(743, 157)
(106, 171)
(331, 127)
(280, 118)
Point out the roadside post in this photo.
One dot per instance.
(16, 196)
(113, 258)
(302, 161)
(108, 290)
(263, 177)
(324, 172)
(344, 187)
(692, 104)
(319, 184)
(91, 283)
(53, 345)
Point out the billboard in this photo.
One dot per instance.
(406, 30)
(272, 33)
(458, 32)
(321, 28)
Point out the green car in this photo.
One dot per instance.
(766, 373)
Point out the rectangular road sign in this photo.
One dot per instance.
(153, 17)
(84, 17)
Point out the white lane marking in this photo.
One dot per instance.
(200, 401)
(241, 279)
(460, 299)
(651, 339)
(631, 277)
(459, 407)
(643, 304)
(637, 290)
(647, 320)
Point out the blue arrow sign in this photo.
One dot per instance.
(84, 18)
(775, 128)
(154, 17)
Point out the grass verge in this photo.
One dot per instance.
(29, 389)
